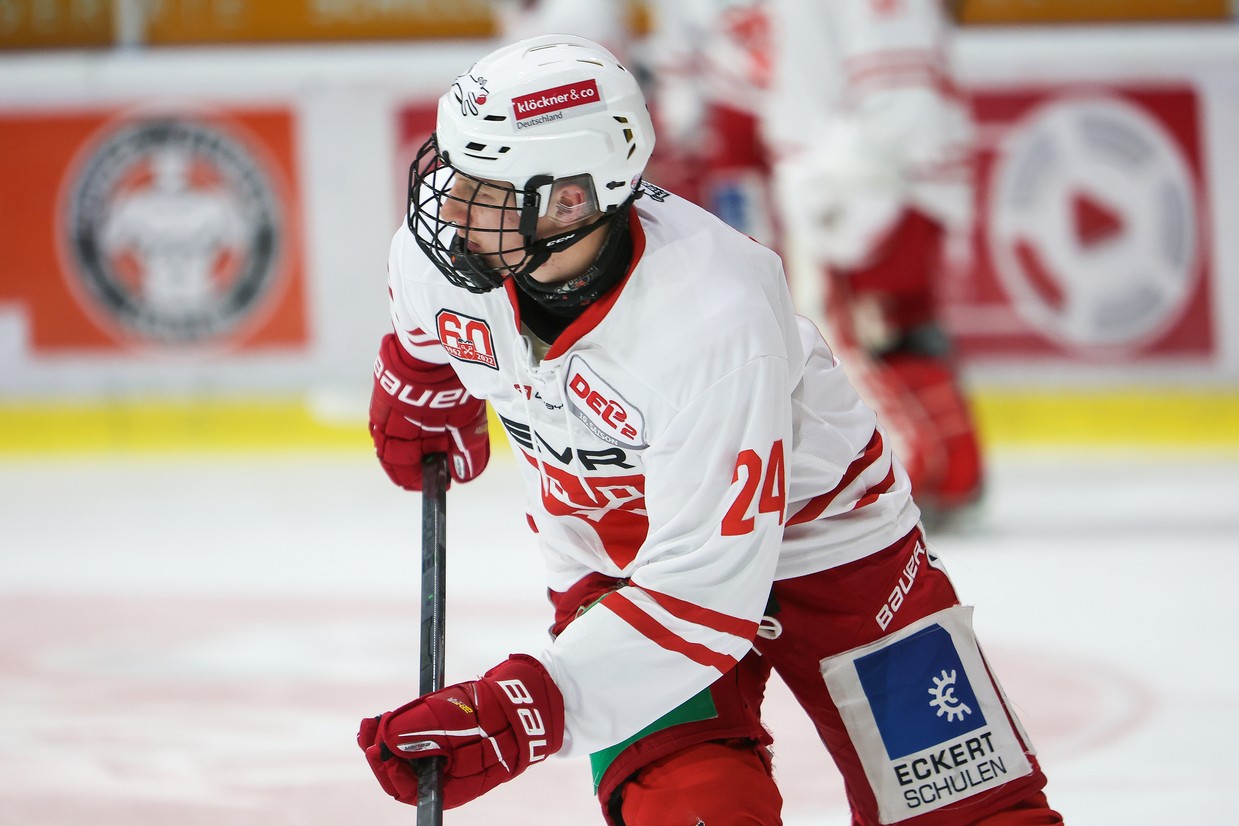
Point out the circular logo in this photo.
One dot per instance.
(174, 230)
(1093, 228)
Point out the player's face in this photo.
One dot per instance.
(486, 218)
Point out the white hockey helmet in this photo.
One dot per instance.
(528, 115)
(554, 106)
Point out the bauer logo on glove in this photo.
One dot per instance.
(417, 409)
(488, 731)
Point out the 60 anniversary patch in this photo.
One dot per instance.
(174, 231)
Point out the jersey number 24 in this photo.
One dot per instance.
(763, 483)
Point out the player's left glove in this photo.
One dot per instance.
(488, 731)
(418, 408)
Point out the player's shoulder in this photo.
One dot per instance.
(696, 265)
(717, 299)
(689, 243)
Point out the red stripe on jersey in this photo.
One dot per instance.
(509, 286)
(700, 615)
(906, 67)
(420, 342)
(651, 628)
(886, 58)
(419, 336)
(816, 506)
(873, 493)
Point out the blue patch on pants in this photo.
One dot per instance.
(919, 692)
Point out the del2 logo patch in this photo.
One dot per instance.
(603, 410)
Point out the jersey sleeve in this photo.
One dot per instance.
(715, 497)
(416, 334)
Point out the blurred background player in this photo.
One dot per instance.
(878, 180)
(711, 62)
(832, 131)
(604, 21)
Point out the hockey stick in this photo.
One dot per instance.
(434, 592)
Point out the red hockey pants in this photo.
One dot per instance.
(716, 771)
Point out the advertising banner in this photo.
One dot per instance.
(60, 24)
(35, 24)
(280, 21)
(414, 123)
(986, 12)
(1092, 239)
(169, 231)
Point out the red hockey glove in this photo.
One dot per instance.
(489, 731)
(418, 408)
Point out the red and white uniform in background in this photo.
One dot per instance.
(873, 172)
(603, 21)
(688, 434)
(712, 62)
(863, 118)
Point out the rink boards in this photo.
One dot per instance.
(1101, 304)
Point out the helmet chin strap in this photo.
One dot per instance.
(569, 297)
(478, 275)
(562, 298)
(536, 253)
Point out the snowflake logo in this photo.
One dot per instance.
(944, 698)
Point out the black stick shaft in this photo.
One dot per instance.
(434, 631)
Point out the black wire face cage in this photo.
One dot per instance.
(487, 235)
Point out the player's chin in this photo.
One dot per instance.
(487, 257)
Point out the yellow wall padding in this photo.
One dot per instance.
(1112, 418)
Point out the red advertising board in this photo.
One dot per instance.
(1091, 238)
(158, 230)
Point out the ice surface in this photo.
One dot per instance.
(193, 640)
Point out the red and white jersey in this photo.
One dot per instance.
(721, 48)
(688, 435)
(603, 21)
(872, 81)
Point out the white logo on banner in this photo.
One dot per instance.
(174, 230)
(1094, 224)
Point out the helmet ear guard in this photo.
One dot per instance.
(531, 207)
(564, 213)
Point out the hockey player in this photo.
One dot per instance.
(711, 62)
(873, 188)
(711, 498)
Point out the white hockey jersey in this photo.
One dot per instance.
(716, 50)
(603, 21)
(857, 84)
(687, 435)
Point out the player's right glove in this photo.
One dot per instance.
(418, 408)
(487, 731)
